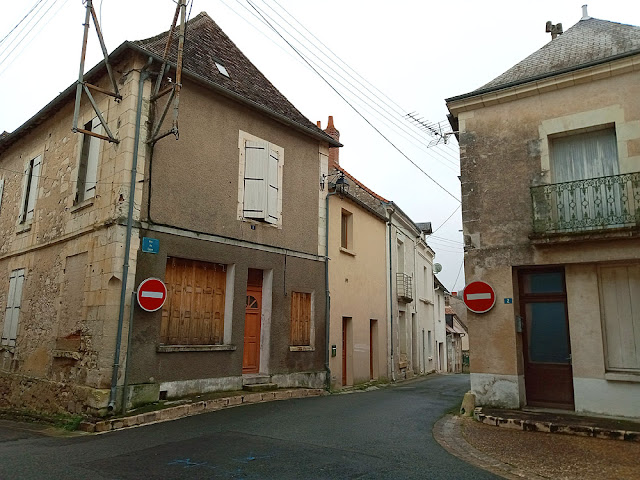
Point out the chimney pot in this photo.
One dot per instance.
(585, 14)
(319, 124)
(333, 132)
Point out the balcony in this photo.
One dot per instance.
(403, 288)
(584, 206)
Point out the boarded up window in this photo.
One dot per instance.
(194, 311)
(620, 303)
(72, 298)
(300, 319)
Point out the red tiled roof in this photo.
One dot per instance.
(360, 184)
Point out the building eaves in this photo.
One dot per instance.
(588, 43)
(440, 285)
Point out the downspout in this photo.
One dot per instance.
(393, 366)
(144, 74)
(327, 305)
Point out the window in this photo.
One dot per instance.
(260, 180)
(1, 191)
(194, 311)
(584, 156)
(346, 230)
(619, 294)
(88, 166)
(429, 344)
(12, 311)
(301, 319)
(221, 68)
(30, 189)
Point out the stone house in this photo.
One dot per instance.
(440, 357)
(232, 211)
(456, 339)
(550, 171)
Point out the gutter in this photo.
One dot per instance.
(144, 74)
(327, 297)
(393, 367)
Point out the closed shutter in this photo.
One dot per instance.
(91, 171)
(272, 187)
(32, 189)
(620, 299)
(12, 312)
(194, 311)
(256, 172)
(300, 319)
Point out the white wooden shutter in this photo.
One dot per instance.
(91, 172)
(33, 187)
(255, 179)
(1, 191)
(272, 187)
(12, 312)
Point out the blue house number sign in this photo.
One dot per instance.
(150, 245)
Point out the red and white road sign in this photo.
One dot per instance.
(151, 294)
(479, 297)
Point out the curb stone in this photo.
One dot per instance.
(555, 427)
(448, 433)
(196, 408)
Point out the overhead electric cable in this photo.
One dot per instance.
(352, 106)
(18, 24)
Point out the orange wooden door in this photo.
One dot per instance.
(252, 323)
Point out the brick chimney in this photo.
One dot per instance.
(333, 151)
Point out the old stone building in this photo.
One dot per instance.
(228, 216)
(550, 162)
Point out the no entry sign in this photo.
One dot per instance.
(151, 294)
(479, 297)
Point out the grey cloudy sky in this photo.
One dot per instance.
(415, 54)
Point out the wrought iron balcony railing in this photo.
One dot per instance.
(403, 287)
(587, 205)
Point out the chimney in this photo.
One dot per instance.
(585, 15)
(333, 151)
(554, 30)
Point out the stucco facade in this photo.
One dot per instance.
(507, 137)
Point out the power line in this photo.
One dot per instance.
(354, 108)
(459, 271)
(18, 24)
(448, 218)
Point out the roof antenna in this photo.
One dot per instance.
(585, 15)
(554, 30)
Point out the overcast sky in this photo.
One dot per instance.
(414, 54)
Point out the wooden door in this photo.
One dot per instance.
(548, 373)
(252, 323)
(344, 351)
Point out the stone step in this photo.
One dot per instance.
(255, 378)
(260, 387)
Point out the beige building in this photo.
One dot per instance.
(229, 216)
(550, 162)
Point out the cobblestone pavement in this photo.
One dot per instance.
(517, 454)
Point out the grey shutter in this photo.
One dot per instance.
(12, 312)
(33, 187)
(1, 191)
(26, 178)
(91, 169)
(255, 178)
(272, 187)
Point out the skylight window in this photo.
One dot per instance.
(221, 68)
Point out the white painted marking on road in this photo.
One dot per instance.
(479, 296)
(152, 295)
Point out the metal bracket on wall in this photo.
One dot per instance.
(87, 87)
(172, 88)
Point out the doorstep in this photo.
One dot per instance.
(566, 423)
(195, 408)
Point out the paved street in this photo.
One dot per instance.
(379, 434)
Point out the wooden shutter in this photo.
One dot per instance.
(32, 195)
(88, 166)
(1, 191)
(620, 297)
(272, 187)
(194, 311)
(300, 319)
(256, 171)
(12, 311)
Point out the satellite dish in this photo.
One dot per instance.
(437, 267)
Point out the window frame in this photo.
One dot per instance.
(243, 138)
(90, 147)
(30, 185)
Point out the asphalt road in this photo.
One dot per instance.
(379, 434)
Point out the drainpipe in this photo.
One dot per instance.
(144, 74)
(327, 305)
(393, 366)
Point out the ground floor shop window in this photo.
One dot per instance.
(194, 311)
